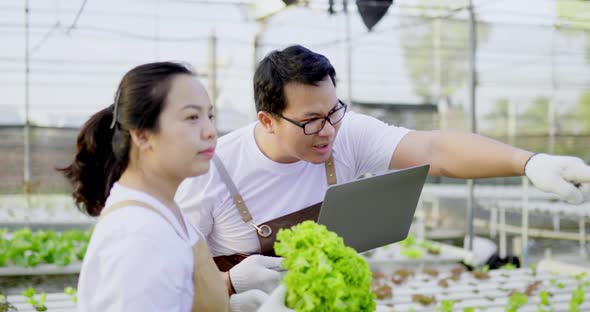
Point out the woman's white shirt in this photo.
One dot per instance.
(136, 261)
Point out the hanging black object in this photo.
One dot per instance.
(331, 7)
(372, 11)
(495, 262)
(289, 2)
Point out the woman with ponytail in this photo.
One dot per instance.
(131, 156)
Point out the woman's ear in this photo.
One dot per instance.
(267, 121)
(141, 139)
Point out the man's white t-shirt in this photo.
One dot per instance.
(270, 189)
(136, 261)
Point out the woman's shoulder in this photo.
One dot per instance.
(134, 222)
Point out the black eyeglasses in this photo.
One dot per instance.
(317, 124)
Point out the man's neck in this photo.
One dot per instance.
(268, 145)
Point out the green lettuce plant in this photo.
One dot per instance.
(446, 306)
(323, 274)
(577, 299)
(516, 301)
(25, 248)
(38, 305)
(545, 304)
(72, 293)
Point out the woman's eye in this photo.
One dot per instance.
(211, 116)
(193, 117)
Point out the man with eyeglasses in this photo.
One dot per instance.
(274, 172)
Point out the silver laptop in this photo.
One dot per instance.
(375, 211)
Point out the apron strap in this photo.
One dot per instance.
(233, 190)
(330, 171)
(239, 201)
(137, 203)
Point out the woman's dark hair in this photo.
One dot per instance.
(103, 143)
(278, 68)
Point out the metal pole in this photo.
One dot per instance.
(348, 54)
(551, 107)
(512, 114)
(27, 134)
(503, 248)
(258, 40)
(212, 72)
(57, 9)
(442, 105)
(263, 23)
(471, 88)
(255, 54)
(157, 30)
(525, 222)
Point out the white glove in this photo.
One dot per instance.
(566, 176)
(256, 272)
(248, 301)
(276, 301)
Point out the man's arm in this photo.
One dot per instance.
(465, 155)
(459, 155)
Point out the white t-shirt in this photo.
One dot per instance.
(136, 261)
(270, 189)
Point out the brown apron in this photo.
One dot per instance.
(268, 230)
(210, 289)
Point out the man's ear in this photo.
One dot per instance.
(141, 139)
(268, 121)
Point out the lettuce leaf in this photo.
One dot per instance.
(323, 274)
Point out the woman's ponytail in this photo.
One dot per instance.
(95, 168)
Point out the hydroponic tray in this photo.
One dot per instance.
(58, 302)
(490, 292)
